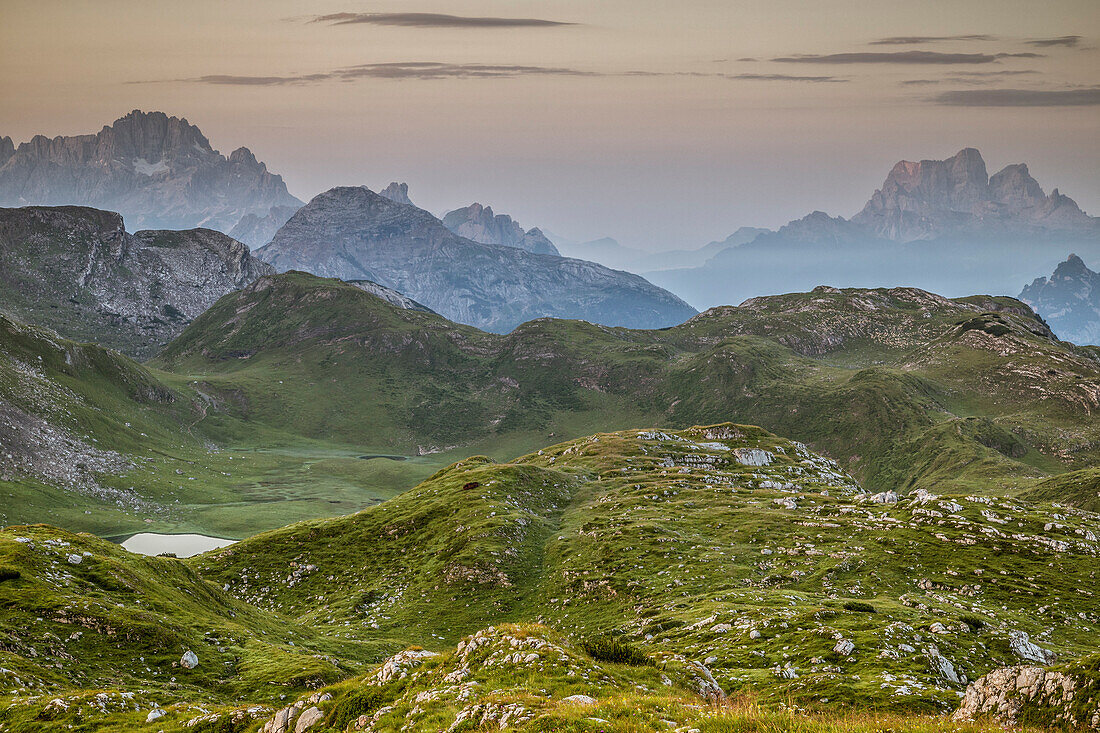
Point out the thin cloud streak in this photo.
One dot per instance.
(430, 70)
(399, 70)
(904, 57)
(433, 20)
(1019, 98)
(785, 77)
(1067, 41)
(915, 40)
(973, 78)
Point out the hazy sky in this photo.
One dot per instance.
(662, 124)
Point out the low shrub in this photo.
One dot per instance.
(859, 607)
(615, 651)
(349, 707)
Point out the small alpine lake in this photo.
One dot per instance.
(180, 545)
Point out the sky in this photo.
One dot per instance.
(662, 124)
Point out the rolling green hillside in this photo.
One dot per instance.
(303, 397)
(93, 441)
(904, 388)
(646, 569)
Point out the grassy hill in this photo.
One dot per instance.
(906, 389)
(94, 441)
(643, 568)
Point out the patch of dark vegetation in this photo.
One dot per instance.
(348, 708)
(615, 651)
(859, 607)
(990, 323)
(974, 622)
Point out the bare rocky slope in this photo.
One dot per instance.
(353, 233)
(159, 172)
(78, 271)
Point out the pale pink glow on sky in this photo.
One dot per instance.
(638, 120)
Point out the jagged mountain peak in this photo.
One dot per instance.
(159, 171)
(352, 233)
(481, 224)
(932, 198)
(1069, 300)
(397, 192)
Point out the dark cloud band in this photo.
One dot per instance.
(1068, 41)
(1020, 98)
(433, 20)
(786, 77)
(915, 40)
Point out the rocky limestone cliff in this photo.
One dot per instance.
(78, 271)
(480, 224)
(157, 171)
(1031, 694)
(931, 198)
(352, 233)
(397, 192)
(1069, 300)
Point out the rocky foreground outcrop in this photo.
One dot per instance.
(1034, 695)
(78, 271)
(352, 233)
(159, 172)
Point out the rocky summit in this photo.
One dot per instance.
(480, 224)
(159, 172)
(1069, 300)
(353, 233)
(78, 271)
(931, 198)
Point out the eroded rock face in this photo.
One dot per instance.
(397, 192)
(78, 271)
(158, 171)
(1006, 694)
(353, 233)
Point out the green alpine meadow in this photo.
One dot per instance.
(434, 533)
(549, 366)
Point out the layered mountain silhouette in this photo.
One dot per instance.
(352, 233)
(610, 252)
(943, 225)
(1069, 300)
(159, 172)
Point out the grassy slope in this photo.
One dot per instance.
(597, 536)
(905, 388)
(169, 474)
(294, 382)
(664, 541)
